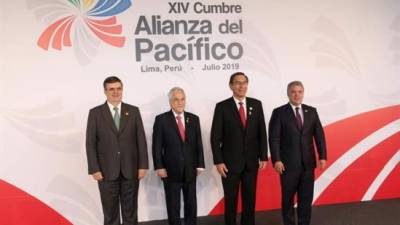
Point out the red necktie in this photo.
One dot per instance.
(298, 119)
(242, 115)
(181, 128)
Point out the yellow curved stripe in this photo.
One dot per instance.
(87, 3)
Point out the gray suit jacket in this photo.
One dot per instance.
(113, 151)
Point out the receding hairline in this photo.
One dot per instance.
(295, 83)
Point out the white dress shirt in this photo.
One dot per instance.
(244, 105)
(182, 115)
(112, 109)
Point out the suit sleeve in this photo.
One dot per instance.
(274, 130)
(157, 147)
(199, 147)
(143, 162)
(319, 138)
(216, 135)
(263, 136)
(91, 144)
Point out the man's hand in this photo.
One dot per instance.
(141, 173)
(263, 165)
(279, 167)
(98, 176)
(222, 170)
(199, 171)
(322, 164)
(162, 173)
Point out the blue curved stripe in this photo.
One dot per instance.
(109, 10)
(97, 6)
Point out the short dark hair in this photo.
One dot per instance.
(294, 83)
(110, 80)
(237, 74)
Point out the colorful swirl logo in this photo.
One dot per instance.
(83, 24)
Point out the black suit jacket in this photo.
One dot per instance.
(292, 146)
(180, 158)
(113, 151)
(234, 145)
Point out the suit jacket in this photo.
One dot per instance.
(234, 145)
(113, 151)
(180, 158)
(292, 146)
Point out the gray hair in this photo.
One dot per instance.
(173, 90)
(294, 83)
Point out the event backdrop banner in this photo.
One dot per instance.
(55, 55)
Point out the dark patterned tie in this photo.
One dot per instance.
(299, 122)
(242, 114)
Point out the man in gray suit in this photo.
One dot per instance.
(117, 154)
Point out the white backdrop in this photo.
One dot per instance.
(347, 53)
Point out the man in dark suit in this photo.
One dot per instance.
(178, 157)
(293, 129)
(117, 154)
(239, 146)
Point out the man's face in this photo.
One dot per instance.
(239, 86)
(296, 94)
(177, 102)
(113, 92)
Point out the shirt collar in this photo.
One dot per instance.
(237, 101)
(294, 107)
(111, 106)
(175, 114)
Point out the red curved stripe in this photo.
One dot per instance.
(18, 207)
(59, 34)
(353, 183)
(45, 37)
(391, 186)
(67, 35)
(344, 134)
(340, 136)
(106, 22)
(115, 29)
(112, 40)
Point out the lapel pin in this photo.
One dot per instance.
(305, 110)
(187, 119)
(126, 114)
(250, 109)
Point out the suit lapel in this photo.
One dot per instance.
(187, 125)
(174, 124)
(124, 117)
(108, 117)
(306, 116)
(292, 117)
(236, 114)
(249, 112)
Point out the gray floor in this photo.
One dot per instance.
(385, 212)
